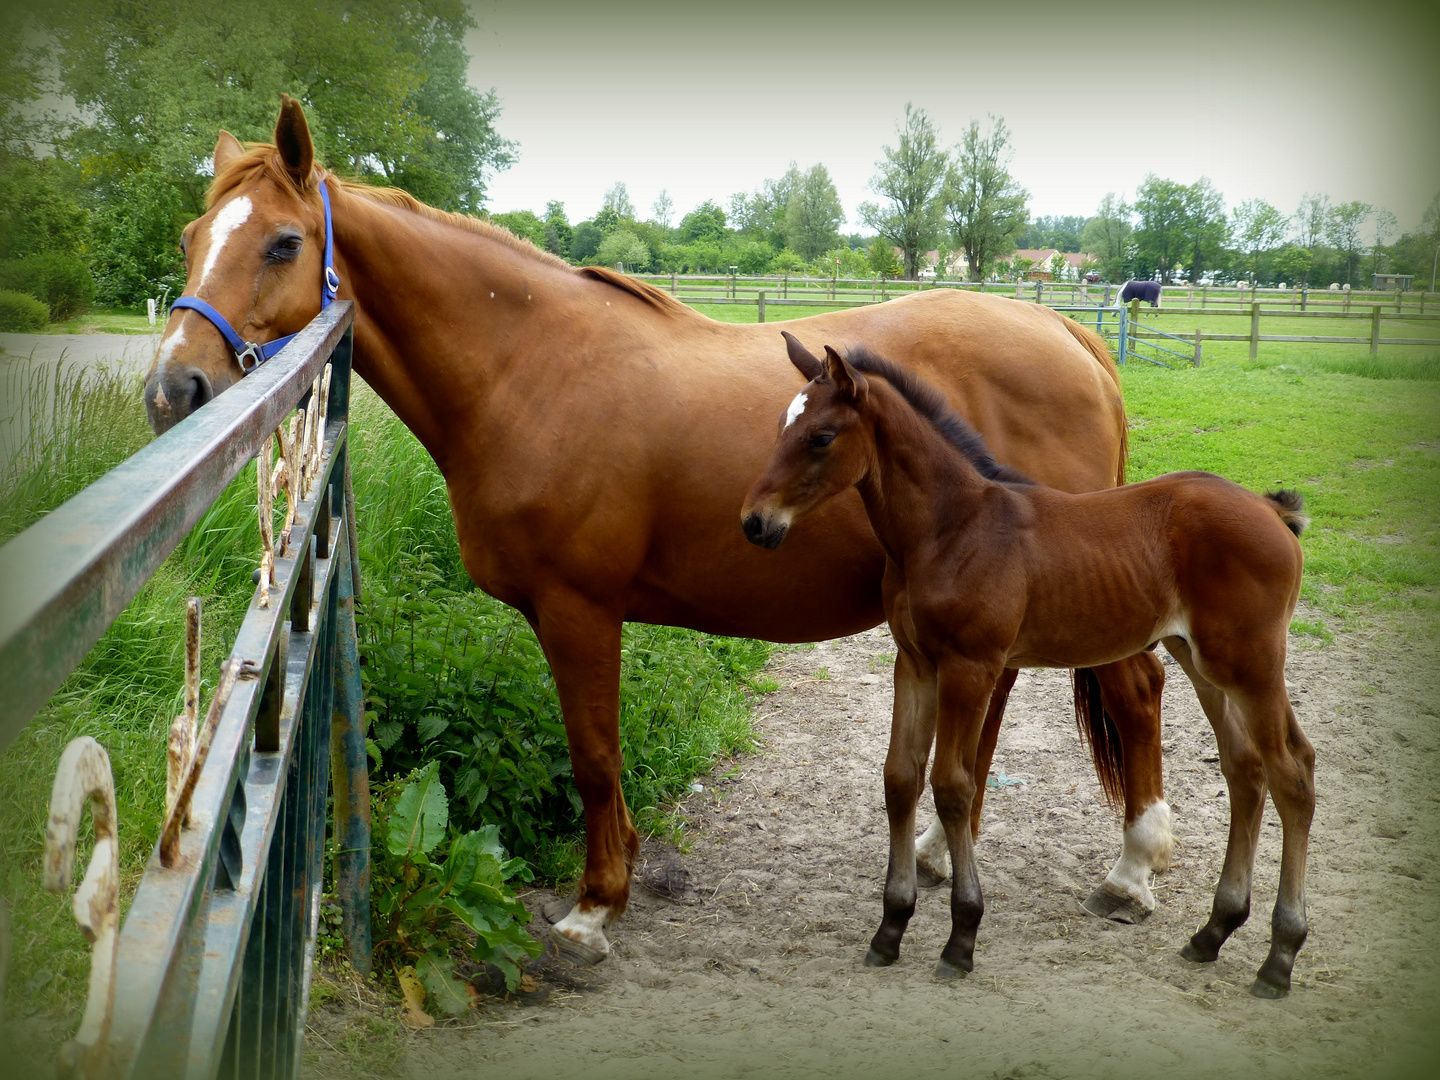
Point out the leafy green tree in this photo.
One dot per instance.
(585, 242)
(523, 223)
(1061, 232)
(881, 258)
(1293, 263)
(1058, 266)
(1385, 223)
(558, 232)
(663, 208)
(1310, 218)
(789, 262)
(1206, 228)
(751, 256)
(1108, 237)
(813, 215)
(37, 214)
(910, 179)
(618, 200)
(607, 220)
(21, 83)
(1344, 226)
(984, 204)
(625, 248)
(1162, 235)
(1257, 227)
(705, 222)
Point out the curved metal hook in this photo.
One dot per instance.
(84, 775)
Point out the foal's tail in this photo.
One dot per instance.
(1097, 728)
(1290, 505)
(1095, 345)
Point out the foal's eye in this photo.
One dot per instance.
(285, 249)
(821, 439)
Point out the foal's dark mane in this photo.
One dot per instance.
(932, 406)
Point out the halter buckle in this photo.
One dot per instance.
(255, 355)
(332, 279)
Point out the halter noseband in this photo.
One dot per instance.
(257, 354)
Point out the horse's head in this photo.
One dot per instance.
(256, 257)
(824, 447)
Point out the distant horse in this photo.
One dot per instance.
(596, 437)
(989, 572)
(1148, 291)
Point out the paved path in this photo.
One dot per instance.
(130, 352)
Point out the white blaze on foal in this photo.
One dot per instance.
(796, 408)
(231, 216)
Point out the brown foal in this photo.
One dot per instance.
(989, 572)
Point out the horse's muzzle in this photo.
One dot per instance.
(762, 532)
(171, 397)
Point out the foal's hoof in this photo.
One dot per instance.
(1195, 955)
(928, 878)
(556, 909)
(1268, 990)
(1115, 906)
(577, 951)
(948, 971)
(874, 958)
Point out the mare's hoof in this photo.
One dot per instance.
(1195, 956)
(948, 971)
(1268, 990)
(876, 959)
(1115, 906)
(556, 909)
(577, 951)
(927, 878)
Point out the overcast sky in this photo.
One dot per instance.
(1267, 99)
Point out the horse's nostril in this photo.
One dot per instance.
(754, 528)
(201, 390)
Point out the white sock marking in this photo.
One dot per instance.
(587, 927)
(796, 408)
(932, 850)
(231, 216)
(1148, 842)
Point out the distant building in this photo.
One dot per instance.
(1388, 282)
(1041, 262)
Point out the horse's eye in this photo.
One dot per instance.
(285, 249)
(821, 439)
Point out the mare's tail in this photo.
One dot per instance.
(1095, 345)
(1290, 505)
(1097, 728)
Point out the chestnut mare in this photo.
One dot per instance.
(989, 572)
(597, 437)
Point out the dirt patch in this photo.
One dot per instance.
(742, 958)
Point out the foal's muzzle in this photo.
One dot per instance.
(763, 532)
(171, 397)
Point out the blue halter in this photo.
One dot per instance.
(248, 350)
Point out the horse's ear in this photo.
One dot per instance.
(227, 149)
(847, 380)
(808, 363)
(292, 138)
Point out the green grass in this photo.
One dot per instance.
(106, 321)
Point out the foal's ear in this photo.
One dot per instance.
(292, 138)
(227, 149)
(808, 363)
(847, 380)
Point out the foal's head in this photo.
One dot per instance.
(825, 445)
(255, 256)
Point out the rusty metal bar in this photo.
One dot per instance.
(70, 574)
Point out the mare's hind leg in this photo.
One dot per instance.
(1244, 771)
(1290, 775)
(1130, 691)
(932, 851)
(911, 732)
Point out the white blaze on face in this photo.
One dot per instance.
(796, 408)
(1148, 842)
(172, 341)
(231, 216)
(587, 927)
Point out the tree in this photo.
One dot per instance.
(1058, 267)
(1161, 238)
(1060, 232)
(617, 199)
(585, 241)
(1343, 227)
(624, 247)
(663, 208)
(1310, 218)
(523, 223)
(881, 258)
(910, 180)
(1293, 263)
(558, 232)
(705, 222)
(1385, 223)
(814, 215)
(1257, 226)
(1107, 236)
(984, 204)
(1206, 229)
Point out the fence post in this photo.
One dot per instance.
(1304, 298)
(1124, 330)
(1197, 341)
(1204, 296)
(1254, 330)
(674, 278)
(761, 302)
(1398, 294)
(1375, 330)
(1039, 285)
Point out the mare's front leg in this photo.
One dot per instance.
(1130, 692)
(964, 688)
(911, 731)
(582, 643)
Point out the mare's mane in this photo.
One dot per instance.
(931, 405)
(264, 159)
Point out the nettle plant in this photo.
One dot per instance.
(424, 906)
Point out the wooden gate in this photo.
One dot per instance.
(210, 973)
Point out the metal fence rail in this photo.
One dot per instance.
(211, 968)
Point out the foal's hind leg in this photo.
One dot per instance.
(911, 733)
(1244, 771)
(1130, 691)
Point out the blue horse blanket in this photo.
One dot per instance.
(1149, 291)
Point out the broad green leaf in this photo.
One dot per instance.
(445, 991)
(418, 821)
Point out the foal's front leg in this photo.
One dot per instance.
(964, 687)
(911, 731)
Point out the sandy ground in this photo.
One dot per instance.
(755, 970)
